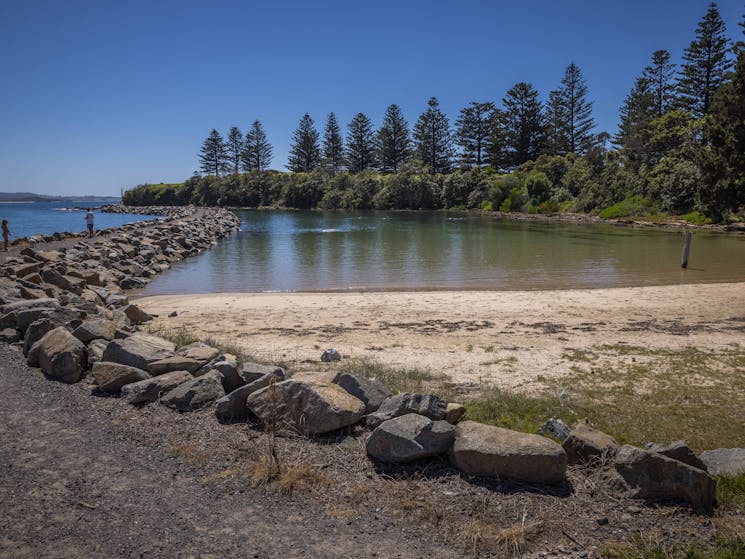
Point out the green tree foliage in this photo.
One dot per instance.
(234, 149)
(660, 76)
(394, 140)
(637, 112)
(333, 145)
(433, 139)
(723, 160)
(212, 155)
(474, 132)
(257, 153)
(578, 111)
(305, 152)
(360, 148)
(523, 124)
(705, 64)
(557, 119)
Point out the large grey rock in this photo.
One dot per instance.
(95, 351)
(233, 405)
(61, 355)
(25, 317)
(371, 392)
(427, 405)
(199, 351)
(640, 474)
(306, 407)
(34, 333)
(149, 390)
(679, 451)
(724, 461)
(110, 377)
(586, 444)
(95, 328)
(28, 304)
(136, 351)
(410, 437)
(60, 316)
(485, 450)
(68, 283)
(228, 367)
(174, 363)
(195, 394)
(254, 371)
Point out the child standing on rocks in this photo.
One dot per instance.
(89, 222)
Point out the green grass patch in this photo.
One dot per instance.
(731, 491)
(731, 548)
(398, 380)
(520, 412)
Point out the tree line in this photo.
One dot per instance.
(679, 148)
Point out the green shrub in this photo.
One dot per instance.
(632, 206)
(697, 218)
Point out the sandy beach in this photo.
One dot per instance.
(515, 339)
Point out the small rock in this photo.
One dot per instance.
(555, 428)
(195, 394)
(330, 355)
(724, 461)
(427, 405)
(454, 412)
(371, 392)
(149, 390)
(586, 444)
(110, 377)
(410, 437)
(679, 451)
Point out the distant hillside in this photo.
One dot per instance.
(31, 197)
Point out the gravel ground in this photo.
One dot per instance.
(90, 476)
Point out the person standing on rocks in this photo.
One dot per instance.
(6, 234)
(89, 222)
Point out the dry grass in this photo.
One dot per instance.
(482, 535)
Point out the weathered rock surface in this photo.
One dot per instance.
(9, 335)
(555, 428)
(410, 437)
(485, 450)
(199, 352)
(454, 412)
(136, 351)
(110, 377)
(233, 405)
(136, 315)
(94, 329)
(641, 474)
(61, 355)
(306, 407)
(370, 391)
(174, 363)
(427, 405)
(679, 451)
(195, 394)
(149, 390)
(95, 351)
(724, 461)
(330, 355)
(585, 444)
(228, 367)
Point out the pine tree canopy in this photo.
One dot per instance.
(394, 141)
(305, 152)
(433, 140)
(213, 155)
(333, 144)
(234, 149)
(475, 132)
(660, 75)
(360, 152)
(257, 154)
(579, 120)
(705, 64)
(524, 126)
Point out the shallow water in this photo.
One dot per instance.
(34, 218)
(310, 251)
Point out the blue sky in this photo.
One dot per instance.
(97, 96)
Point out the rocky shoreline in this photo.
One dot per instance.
(66, 307)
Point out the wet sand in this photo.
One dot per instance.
(516, 339)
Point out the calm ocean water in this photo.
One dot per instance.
(33, 218)
(307, 251)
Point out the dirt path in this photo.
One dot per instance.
(80, 480)
(514, 339)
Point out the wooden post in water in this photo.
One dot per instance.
(686, 249)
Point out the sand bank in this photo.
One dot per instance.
(511, 338)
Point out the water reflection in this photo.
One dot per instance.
(302, 251)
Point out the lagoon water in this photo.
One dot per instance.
(317, 251)
(33, 218)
